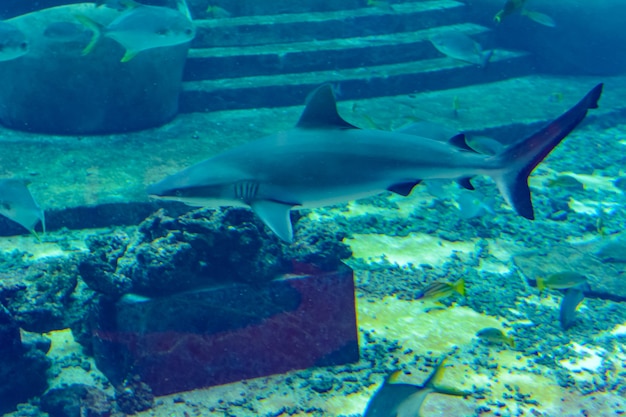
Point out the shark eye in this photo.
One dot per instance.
(188, 31)
(24, 46)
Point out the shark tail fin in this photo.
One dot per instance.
(520, 159)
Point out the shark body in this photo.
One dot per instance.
(325, 160)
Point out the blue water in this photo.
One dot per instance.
(126, 303)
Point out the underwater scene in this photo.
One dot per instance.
(338, 208)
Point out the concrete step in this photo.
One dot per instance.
(300, 27)
(353, 83)
(316, 55)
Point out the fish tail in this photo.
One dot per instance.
(459, 286)
(541, 284)
(510, 341)
(183, 8)
(517, 161)
(95, 27)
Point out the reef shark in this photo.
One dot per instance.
(325, 160)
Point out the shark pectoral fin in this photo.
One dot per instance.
(276, 216)
(403, 188)
(465, 183)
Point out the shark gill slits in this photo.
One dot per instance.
(246, 191)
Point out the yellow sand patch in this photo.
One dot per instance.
(51, 245)
(64, 350)
(592, 207)
(405, 207)
(422, 326)
(415, 248)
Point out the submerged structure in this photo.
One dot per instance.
(332, 305)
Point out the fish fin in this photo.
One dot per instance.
(276, 216)
(434, 382)
(128, 55)
(393, 377)
(95, 27)
(520, 159)
(541, 285)
(460, 142)
(183, 7)
(510, 341)
(466, 183)
(437, 375)
(403, 188)
(459, 286)
(321, 111)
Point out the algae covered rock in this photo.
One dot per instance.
(23, 367)
(203, 248)
(76, 400)
(42, 296)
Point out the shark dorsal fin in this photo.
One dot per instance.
(321, 111)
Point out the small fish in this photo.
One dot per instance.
(541, 18)
(394, 399)
(142, 28)
(569, 304)
(13, 42)
(565, 182)
(456, 106)
(132, 298)
(496, 336)
(474, 204)
(380, 4)
(18, 204)
(217, 12)
(556, 97)
(510, 7)
(439, 290)
(459, 46)
(601, 227)
(561, 281)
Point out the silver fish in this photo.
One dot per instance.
(325, 160)
(405, 400)
(569, 304)
(459, 46)
(17, 204)
(13, 42)
(141, 28)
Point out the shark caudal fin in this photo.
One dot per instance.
(520, 159)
